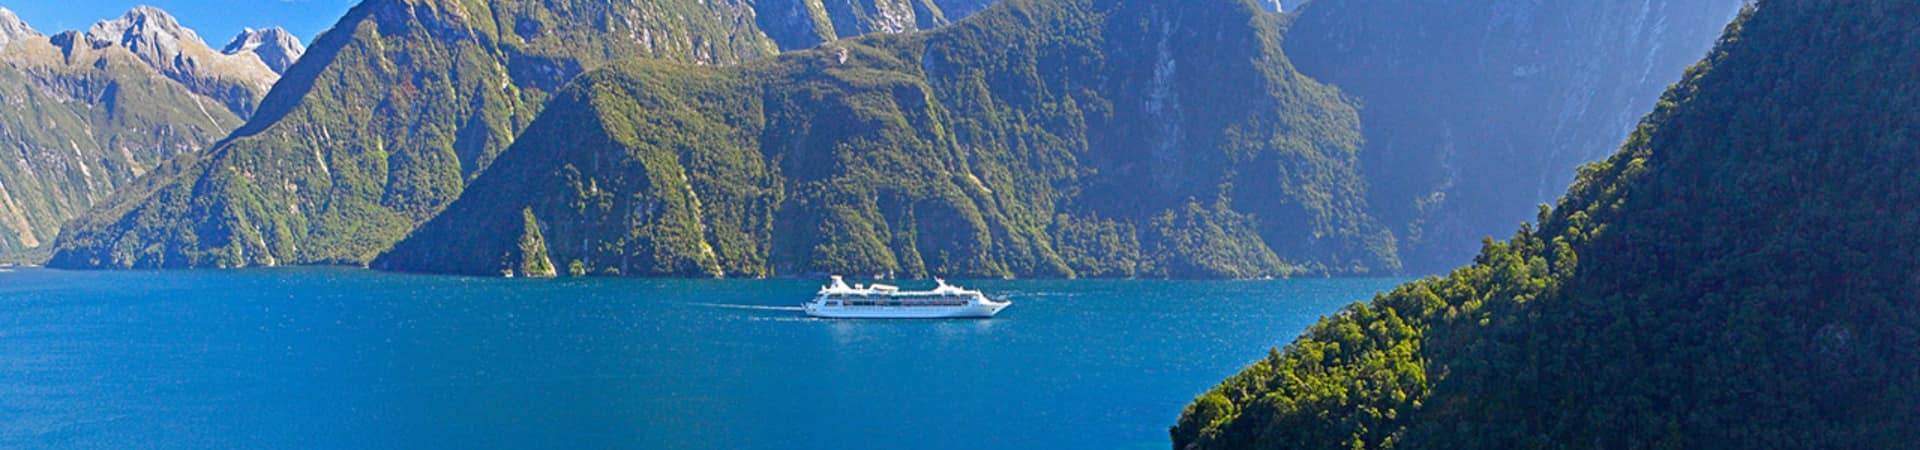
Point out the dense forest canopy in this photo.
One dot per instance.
(1742, 274)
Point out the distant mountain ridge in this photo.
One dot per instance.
(84, 114)
(237, 81)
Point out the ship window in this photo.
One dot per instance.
(833, 303)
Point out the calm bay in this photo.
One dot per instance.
(345, 358)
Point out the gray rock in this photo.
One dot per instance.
(275, 46)
(149, 32)
(13, 29)
(159, 40)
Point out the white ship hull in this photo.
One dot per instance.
(975, 311)
(879, 301)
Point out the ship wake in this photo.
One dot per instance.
(751, 307)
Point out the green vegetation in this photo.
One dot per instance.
(533, 250)
(1740, 275)
(77, 123)
(383, 123)
(1053, 138)
(379, 126)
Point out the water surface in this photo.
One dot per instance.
(341, 358)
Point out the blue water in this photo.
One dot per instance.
(340, 358)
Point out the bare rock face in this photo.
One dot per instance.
(238, 81)
(12, 29)
(799, 24)
(148, 32)
(275, 46)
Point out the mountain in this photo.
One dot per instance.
(237, 81)
(1741, 274)
(1477, 111)
(85, 114)
(274, 46)
(1162, 138)
(383, 122)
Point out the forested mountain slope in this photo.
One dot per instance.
(1744, 273)
(1477, 111)
(82, 114)
(1037, 138)
(384, 122)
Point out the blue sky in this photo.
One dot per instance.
(215, 20)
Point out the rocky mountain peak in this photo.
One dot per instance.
(158, 40)
(13, 29)
(275, 46)
(150, 33)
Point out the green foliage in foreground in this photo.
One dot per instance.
(1054, 138)
(1740, 275)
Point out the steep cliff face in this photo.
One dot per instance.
(1477, 111)
(274, 46)
(1741, 274)
(82, 115)
(1038, 138)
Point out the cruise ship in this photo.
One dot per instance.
(880, 301)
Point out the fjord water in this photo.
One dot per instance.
(340, 358)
